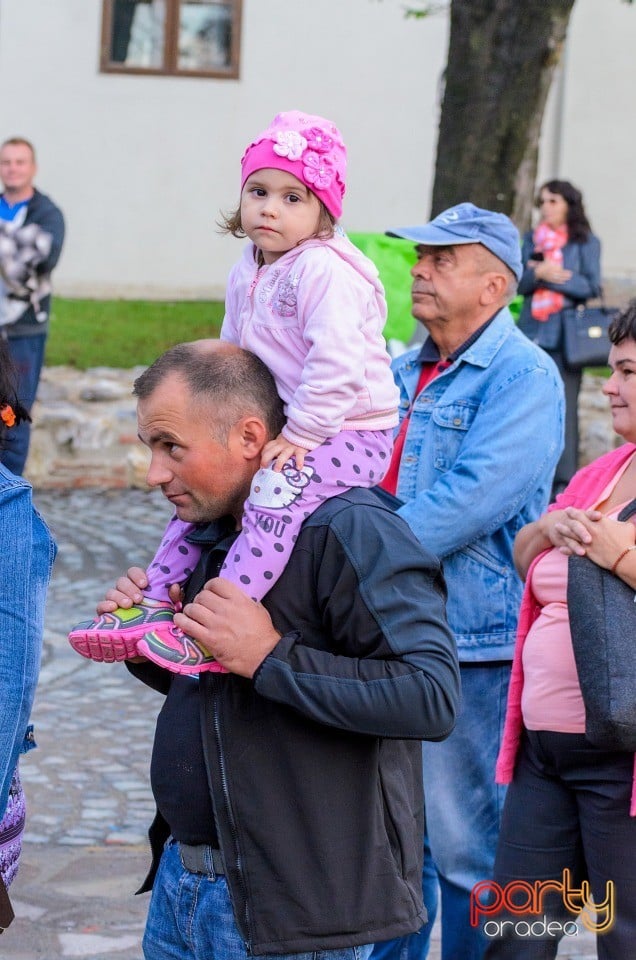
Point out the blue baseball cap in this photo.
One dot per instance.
(466, 223)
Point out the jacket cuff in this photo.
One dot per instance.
(300, 439)
(287, 641)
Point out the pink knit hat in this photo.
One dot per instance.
(309, 147)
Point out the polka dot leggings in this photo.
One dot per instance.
(278, 505)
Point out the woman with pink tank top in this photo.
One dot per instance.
(570, 812)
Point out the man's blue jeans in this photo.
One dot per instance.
(190, 918)
(463, 813)
(415, 946)
(28, 356)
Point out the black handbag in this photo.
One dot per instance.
(602, 616)
(585, 339)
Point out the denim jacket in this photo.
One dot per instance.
(483, 441)
(28, 550)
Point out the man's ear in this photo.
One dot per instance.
(252, 435)
(494, 289)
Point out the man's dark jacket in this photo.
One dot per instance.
(314, 766)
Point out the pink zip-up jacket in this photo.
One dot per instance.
(315, 318)
(583, 491)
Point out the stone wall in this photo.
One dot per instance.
(85, 430)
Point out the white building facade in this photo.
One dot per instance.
(140, 113)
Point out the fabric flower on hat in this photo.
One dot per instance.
(290, 144)
(317, 170)
(308, 147)
(318, 140)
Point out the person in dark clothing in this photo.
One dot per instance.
(293, 782)
(561, 268)
(31, 238)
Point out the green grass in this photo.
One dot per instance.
(124, 333)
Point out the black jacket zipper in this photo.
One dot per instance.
(216, 717)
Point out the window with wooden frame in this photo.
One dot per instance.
(193, 38)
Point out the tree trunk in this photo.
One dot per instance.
(501, 60)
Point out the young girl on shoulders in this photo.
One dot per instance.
(312, 307)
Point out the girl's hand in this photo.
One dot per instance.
(281, 450)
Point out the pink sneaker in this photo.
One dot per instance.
(112, 637)
(171, 648)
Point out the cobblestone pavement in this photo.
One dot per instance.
(89, 803)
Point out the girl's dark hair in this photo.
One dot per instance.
(578, 225)
(623, 326)
(8, 394)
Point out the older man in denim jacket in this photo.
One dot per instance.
(481, 432)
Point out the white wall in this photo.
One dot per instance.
(599, 148)
(142, 165)
(589, 135)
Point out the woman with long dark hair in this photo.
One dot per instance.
(27, 555)
(562, 268)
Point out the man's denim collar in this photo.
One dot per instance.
(479, 348)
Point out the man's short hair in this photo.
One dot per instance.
(488, 262)
(233, 381)
(19, 142)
